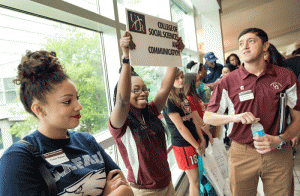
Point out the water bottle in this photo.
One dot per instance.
(257, 130)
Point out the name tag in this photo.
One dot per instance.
(56, 157)
(246, 95)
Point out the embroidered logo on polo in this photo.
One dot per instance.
(276, 85)
(136, 22)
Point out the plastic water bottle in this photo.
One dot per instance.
(257, 130)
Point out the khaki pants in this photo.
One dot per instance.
(168, 191)
(246, 165)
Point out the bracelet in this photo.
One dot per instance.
(125, 60)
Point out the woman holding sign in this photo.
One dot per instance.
(137, 130)
(187, 138)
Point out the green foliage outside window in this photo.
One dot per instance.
(80, 54)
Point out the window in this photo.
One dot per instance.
(2, 100)
(87, 45)
(10, 97)
(79, 51)
(103, 7)
(1, 142)
(186, 24)
(154, 7)
(8, 84)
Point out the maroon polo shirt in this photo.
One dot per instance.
(146, 160)
(230, 93)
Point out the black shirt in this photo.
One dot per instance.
(185, 114)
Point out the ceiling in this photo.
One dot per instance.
(279, 18)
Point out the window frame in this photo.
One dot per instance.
(110, 33)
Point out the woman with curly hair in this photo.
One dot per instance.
(234, 61)
(53, 160)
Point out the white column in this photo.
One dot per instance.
(212, 33)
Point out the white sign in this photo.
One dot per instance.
(155, 40)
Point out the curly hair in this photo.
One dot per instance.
(236, 56)
(37, 73)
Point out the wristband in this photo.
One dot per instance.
(125, 60)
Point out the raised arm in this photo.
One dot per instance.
(167, 83)
(122, 105)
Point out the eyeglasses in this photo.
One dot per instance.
(139, 91)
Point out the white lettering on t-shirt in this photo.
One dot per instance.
(67, 169)
(88, 160)
(100, 157)
(95, 157)
(77, 161)
(56, 176)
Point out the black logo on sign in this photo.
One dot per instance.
(136, 22)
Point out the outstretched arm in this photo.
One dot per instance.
(167, 83)
(221, 119)
(122, 105)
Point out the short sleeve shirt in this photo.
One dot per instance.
(243, 92)
(83, 172)
(196, 105)
(186, 116)
(145, 160)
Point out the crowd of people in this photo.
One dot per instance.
(55, 161)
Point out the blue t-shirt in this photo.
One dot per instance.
(212, 73)
(83, 172)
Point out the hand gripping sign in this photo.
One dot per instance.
(155, 40)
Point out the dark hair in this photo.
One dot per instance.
(190, 85)
(200, 67)
(236, 56)
(295, 52)
(192, 63)
(37, 74)
(133, 73)
(259, 32)
(275, 57)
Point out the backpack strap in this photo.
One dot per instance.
(52, 188)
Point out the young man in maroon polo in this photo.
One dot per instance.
(251, 94)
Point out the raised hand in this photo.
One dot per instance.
(126, 43)
(180, 45)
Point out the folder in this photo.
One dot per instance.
(283, 113)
